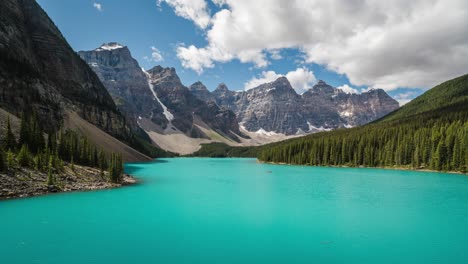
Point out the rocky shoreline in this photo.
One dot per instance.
(24, 182)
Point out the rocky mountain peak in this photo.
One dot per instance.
(126, 82)
(198, 86)
(201, 92)
(280, 86)
(222, 88)
(167, 74)
(276, 107)
(283, 83)
(323, 88)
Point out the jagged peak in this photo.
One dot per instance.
(168, 73)
(198, 85)
(321, 86)
(222, 87)
(378, 92)
(282, 82)
(110, 46)
(282, 79)
(160, 69)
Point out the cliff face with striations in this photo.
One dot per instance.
(159, 96)
(40, 72)
(201, 92)
(186, 108)
(276, 107)
(126, 82)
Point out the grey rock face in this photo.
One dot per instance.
(201, 92)
(226, 98)
(40, 72)
(273, 107)
(158, 94)
(187, 108)
(277, 107)
(126, 82)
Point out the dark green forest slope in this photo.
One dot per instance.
(430, 132)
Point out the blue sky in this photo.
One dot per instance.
(172, 26)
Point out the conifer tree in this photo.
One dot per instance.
(10, 141)
(24, 156)
(11, 164)
(50, 176)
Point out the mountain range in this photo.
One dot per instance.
(276, 107)
(157, 101)
(430, 132)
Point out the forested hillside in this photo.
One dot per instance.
(431, 132)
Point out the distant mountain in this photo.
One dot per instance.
(126, 82)
(201, 92)
(39, 72)
(276, 107)
(430, 132)
(187, 109)
(158, 102)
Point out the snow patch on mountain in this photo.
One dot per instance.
(110, 46)
(346, 113)
(262, 131)
(169, 116)
(315, 129)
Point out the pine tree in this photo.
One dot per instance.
(11, 164)
(50, 176)
(24, 156)
(37, 162)
(72, 164)
(10, 141)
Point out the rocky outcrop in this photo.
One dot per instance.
(25, 182)
(272, 107)
(278, 108)
(126, 82)
(186, 108)
(225, 97)
(201, 92)
(40, 72)
(158, 95)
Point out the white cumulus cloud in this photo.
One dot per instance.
(98, 6)
(380, 44)
(301, 79)
(156, 55)
(195, 10)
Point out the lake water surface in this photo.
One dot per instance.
(194, 210)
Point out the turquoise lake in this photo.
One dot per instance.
(203, 210)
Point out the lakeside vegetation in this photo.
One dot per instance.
(431, 132)
(222, 150)
(47, 153)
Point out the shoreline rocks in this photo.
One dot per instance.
(25, 182)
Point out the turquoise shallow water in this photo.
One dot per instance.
(239, 211)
